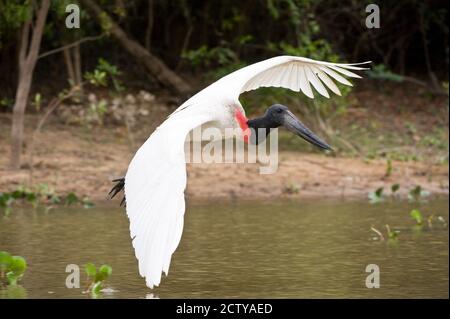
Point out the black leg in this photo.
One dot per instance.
(120, 184)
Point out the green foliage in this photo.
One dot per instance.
(40, 195)
(37, 101)
(418, 193)
(308, 41)
(393, 234)
(388, 168)
(228, 23)
(319, 49)
(13, 292)
(112, 71)
(71, 198)
(105, 22)
(417, 216)
(98, 110)
(12, 15)
(104, 73)
(103, 273)
(6, 103)
(223, 59)
(97, 78)
(415, 194)
(395, 188)
(5, 261)
(97, 277)
(273, 9)
(6, 201)
(12, 268)
(90, 269)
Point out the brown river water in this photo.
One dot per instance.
(276, 249)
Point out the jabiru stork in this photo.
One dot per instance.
(156, 177)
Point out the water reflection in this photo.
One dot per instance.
(265, 249)
(13, 292)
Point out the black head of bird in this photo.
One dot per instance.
(279, 115)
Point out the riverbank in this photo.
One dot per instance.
(68, 161)
(388, 135)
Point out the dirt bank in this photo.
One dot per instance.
(69, 159)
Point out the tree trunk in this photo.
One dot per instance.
(77, 64)
(154, 65)
(27, 62)
(148, 31)
(69, 66)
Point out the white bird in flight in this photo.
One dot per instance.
(156, 177)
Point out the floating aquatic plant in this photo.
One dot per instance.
(376, 196)
(417, 216)
(417, 193)
(12, 268)
(40, 196)
(97, 277)
(392, 234)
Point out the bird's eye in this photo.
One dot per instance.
(279, 110)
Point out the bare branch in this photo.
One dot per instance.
(73, 44)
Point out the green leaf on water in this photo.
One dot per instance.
(417, 216)
(106, 270)
(99, 277)
(14, 266)
(18, 265)
(103, 273)
(13, 292)
(393, 234)
(5, 260)
(12, 278)
(91, 270)
(97, 288)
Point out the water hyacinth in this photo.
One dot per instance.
(12, 268)
(97, 277)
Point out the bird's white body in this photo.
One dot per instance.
(156, 177)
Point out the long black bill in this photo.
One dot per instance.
(293, 124)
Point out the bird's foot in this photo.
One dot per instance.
(120, 184)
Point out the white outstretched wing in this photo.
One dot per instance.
(294, 73)
(290, 72)
(154, 192)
